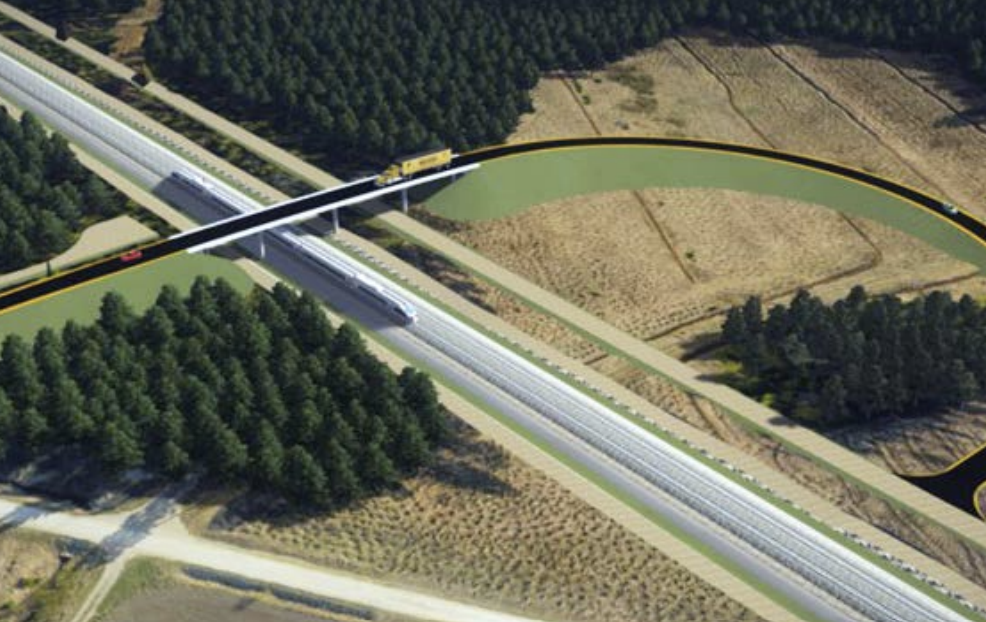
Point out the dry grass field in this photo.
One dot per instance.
(656, 263)
(664, 264)
(201, 605)
(148, 589)
(481, 526)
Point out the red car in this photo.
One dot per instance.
(131, 255)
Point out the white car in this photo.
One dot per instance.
(949, 209)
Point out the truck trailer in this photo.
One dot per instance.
(409, 166)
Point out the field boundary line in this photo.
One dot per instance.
(850, 114)
(649, 217)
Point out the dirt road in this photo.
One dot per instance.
(132, 535)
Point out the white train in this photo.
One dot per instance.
(315, 253)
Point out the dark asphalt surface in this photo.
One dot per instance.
(23, 294)
(957, 484)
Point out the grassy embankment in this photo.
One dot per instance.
(508, 186)
(140, 286)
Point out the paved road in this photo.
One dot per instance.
(758, 537)
(142, 533)
(959, 483)
(969, 223)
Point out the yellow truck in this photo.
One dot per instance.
(410, 165)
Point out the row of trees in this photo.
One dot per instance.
(260, 389)
(46, 196)
(861, 358)
(368, 79)
(62, 11)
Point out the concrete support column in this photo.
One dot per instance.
(404, 204)
(263, 245)
(335, 221)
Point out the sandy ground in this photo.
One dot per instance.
(484, 526)
(25, 563)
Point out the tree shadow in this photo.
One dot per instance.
(466, 463)
(464, 475)
(700, 346)
(139, 525)
(25, 513)
(469, 462)
(428, 261)
(69, 474)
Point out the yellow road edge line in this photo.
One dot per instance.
(94, 262)
(711, 148)
(143, 264)
(767, 158)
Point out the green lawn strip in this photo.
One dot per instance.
(139, 285)
(141, 574)
(671, 439)
(39, 270)
(508, 186)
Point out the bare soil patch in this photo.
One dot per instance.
(25, 564)
(130, 30)
(481, 526)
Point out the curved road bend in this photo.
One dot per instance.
(975, 227)
(959, 484)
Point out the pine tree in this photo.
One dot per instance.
(118, 451)
(304, 478)
(734, 328)
(833, 400)
(174, 461)
(421, 399)
(268, 458)
(115, 315)
(340, 471)
(8, 427)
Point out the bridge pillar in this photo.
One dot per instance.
(263, 246)
(404, 200)
(335, 221)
